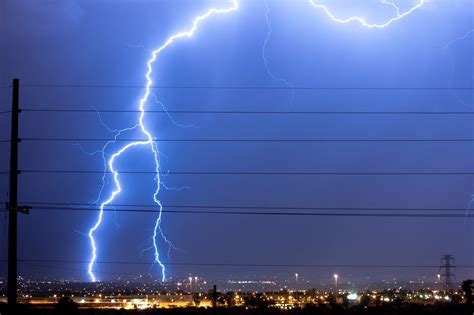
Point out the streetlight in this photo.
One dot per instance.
(439, 281)
(190, 283)
(336, 276)
(296, 277)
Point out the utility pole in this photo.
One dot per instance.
(13, 198)
(12, 205)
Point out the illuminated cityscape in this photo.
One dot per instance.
(144, 293)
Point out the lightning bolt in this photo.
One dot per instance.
(150, 141)
(458, 39)
(264, 48)
(362, 21)
(445, 50)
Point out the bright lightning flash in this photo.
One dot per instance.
(150, 140)
(362, 21)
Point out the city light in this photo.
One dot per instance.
(353, 296)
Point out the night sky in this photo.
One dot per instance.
(92, 55)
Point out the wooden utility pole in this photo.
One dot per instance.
(13, 198)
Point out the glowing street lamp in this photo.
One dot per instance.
(336, 277)
(296, 277)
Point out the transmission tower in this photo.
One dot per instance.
(447, 269)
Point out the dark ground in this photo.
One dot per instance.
(316, 310)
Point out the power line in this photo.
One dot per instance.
(235, 87)
(50, 267)
(39, 171)
(234, 207)
(298, 214)
(246, 140)
(205, 264)
(62, 110)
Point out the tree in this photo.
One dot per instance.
(345, 300)
(467, 288)
(365, 300)
(66, 306)
(257, 301)
(197, 299)
(230, 299)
